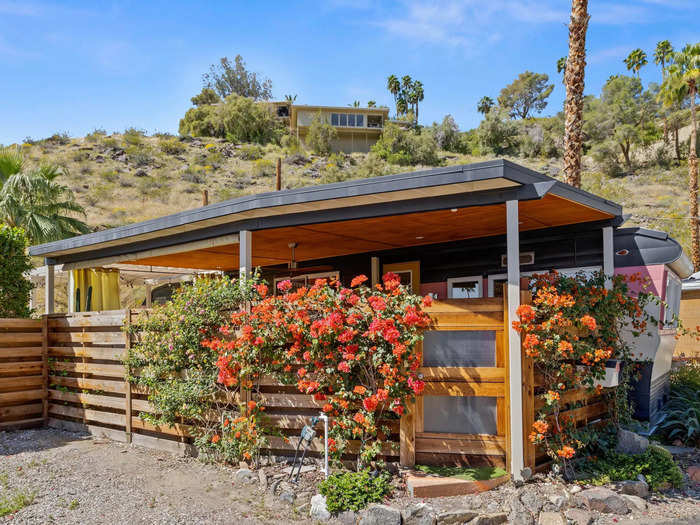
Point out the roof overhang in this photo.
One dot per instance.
(457, 187)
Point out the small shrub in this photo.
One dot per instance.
(171, 146)
(354, 490)
(251, 152)
(320, 136)
(656, 464)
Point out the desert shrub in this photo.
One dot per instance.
(681, 415)
(14, 286)
(320, 136)
(250, 152)
(133, 136)
(168, 356)
(406, 147)
(96, 135)
(655, 464)
(354, 490)
(171, 146)
(238, 119)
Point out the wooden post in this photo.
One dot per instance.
(127, 383)
(407, 433)
(278, 183)
(45, 365)
(49, 297)
(205, 197)
(517, 438)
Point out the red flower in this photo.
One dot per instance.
(283, 286)
(357, 281)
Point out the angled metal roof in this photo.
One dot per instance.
(476, 184)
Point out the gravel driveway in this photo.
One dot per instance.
(78, 479)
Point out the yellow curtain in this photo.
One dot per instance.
(96, 289)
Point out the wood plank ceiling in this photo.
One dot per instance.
(332, 239)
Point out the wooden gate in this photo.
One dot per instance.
(462, 417)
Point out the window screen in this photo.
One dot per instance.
(459, 348)
(460, 415)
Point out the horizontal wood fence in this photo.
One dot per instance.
(23, 400)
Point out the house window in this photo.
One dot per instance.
(360, 121)
(374, 121)
(464, 288)
(335, 119)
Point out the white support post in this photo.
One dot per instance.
(71, 292)
(245, 259)
(49, 296)
(608, 255)
(517, 443)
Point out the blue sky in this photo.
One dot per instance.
(75, 66)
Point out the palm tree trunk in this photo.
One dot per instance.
(574, 80)
(693, 181)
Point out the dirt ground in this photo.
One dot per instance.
(78, 479)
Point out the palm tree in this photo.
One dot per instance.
(636, 60)
(681, 82)
(485, 105)
(575, 69)
(394, 86)
(33, 200)
(662, 54)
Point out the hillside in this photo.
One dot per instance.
(130, 177)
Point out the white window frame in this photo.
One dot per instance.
(468, 279)
(569, 272)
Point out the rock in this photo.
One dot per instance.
(456, 516)
(262, 478)
(551, 518)
(635, 503)
(602, 500)
(558, 500)
(694, 473)
(633, 488)
(245, 475)
(347, 517)
(579, 516)
(519, 515)
(421, 514)
(630, 443)
(381, 515)
(318, 510)
(490, 519)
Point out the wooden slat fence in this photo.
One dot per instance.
(22, 373)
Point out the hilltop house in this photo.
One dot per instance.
(358, 128)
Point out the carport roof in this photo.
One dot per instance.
(481, 184)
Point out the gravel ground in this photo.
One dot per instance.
(78, 479)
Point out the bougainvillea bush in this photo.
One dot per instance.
(353, 348)
(169, 359)
(573, 326)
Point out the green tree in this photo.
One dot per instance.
(485, 104)
(32, 199)
(206, 97)
(14, 285)
(235, 79)
(636, 60)
(320, 136)
(526, 94)
(681, 82)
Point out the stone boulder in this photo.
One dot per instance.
(381, 515)
(602, 500)
(318, 510)
(630, 443)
